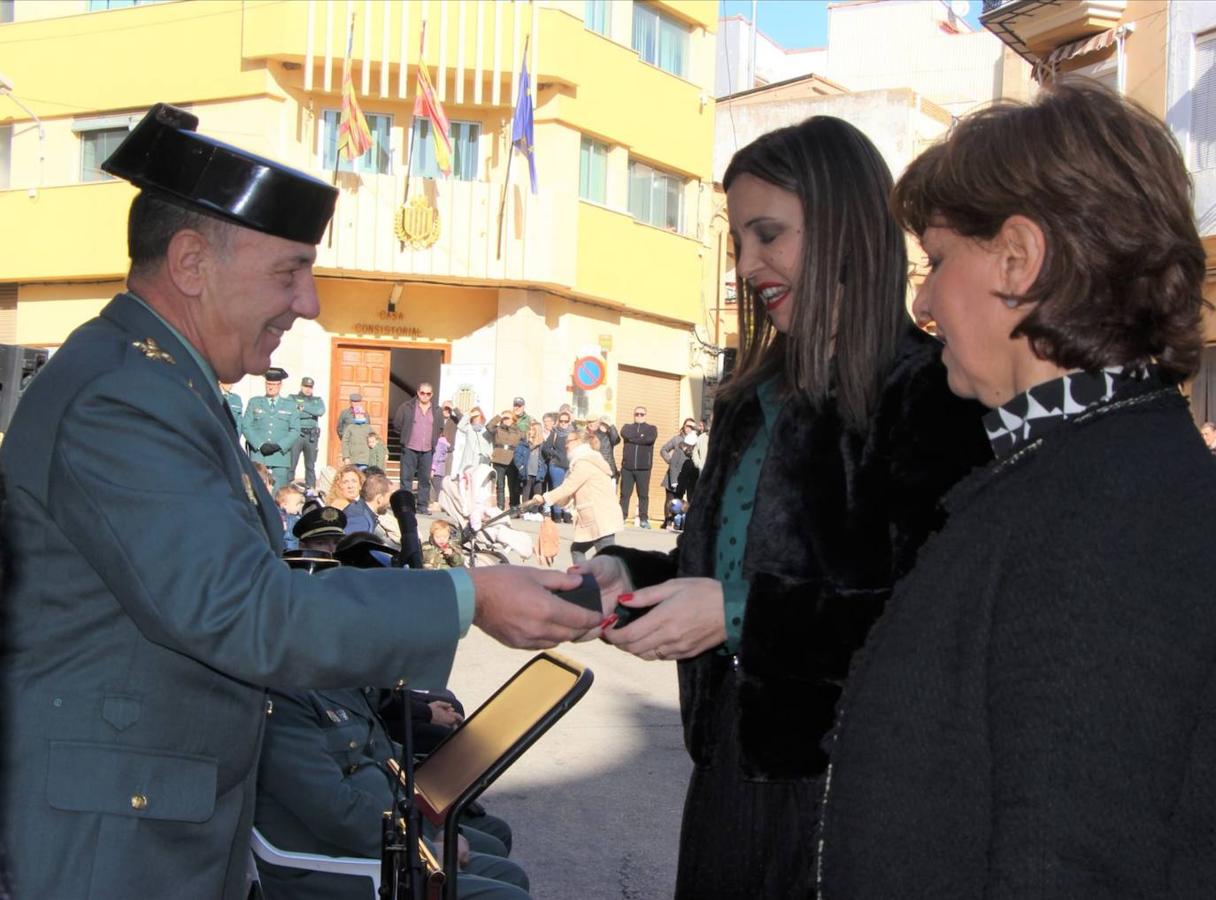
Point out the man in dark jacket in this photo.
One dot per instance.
(419, 424)
(637, 459)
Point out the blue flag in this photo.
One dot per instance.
(522, 129)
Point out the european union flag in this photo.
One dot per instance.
(522, 129)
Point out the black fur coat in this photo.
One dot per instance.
(838, 518)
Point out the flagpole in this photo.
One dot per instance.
(350, 47)
(502, 205)
(409, 135)
(409, 163)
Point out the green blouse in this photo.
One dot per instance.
(735, 514)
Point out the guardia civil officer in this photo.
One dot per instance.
(146, 613)
(234, 401)
(310, 410)
(271, 425)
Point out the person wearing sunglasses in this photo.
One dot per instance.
(637, 459)
(419, 424)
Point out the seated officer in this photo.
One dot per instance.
(137, 660)
(323, 783)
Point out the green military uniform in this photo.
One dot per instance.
(235, 403)
(322, 785)
(310, 408)
(145, 613)
(271, 426)
(147, 608)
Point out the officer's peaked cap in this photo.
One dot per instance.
(166, 155)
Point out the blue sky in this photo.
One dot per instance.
(804, 23)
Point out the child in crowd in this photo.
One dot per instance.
(377, 451)
(439, 464)
(438, 552)
(290, 501)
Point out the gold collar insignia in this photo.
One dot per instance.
(149, 348)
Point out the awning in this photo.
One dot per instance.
(1091, 44)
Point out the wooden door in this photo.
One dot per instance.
(363, 370)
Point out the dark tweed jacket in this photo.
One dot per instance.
(838, 518)
(1035, 715)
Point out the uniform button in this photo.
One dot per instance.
(353, 769)
(269, 707)
(353, 745)
(400, 683)
(139, 801)
(58, 701)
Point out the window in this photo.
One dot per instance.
(464, 150)
(6, 155)
(593, 171)
(376, 161)
(595, 16)
(95, 148)
(660, 40)
(1203, 104)
(656, 197)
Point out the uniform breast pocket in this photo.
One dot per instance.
(131, 781)
(345, 741)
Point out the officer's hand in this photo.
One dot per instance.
(269, 447)
(514, 607)
(443, 713)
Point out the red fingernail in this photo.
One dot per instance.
(625, 598)
(608, 622)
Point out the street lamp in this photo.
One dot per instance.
(6, 89)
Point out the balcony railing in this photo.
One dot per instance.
(539, 231)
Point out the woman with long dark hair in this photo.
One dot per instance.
(831, 445)
(1035, 715)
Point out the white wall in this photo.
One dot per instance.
(1189, 18)
(890, 119)
(897, 43)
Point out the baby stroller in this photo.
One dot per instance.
(485, 537)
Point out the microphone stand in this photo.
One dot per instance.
(402, 876)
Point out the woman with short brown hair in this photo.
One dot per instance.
(1035, 713)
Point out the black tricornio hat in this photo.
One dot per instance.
(166, 155)
(274, 373)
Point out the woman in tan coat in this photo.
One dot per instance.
(597, 511)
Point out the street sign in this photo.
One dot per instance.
(589, 372)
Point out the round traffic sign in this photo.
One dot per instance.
(589, 372)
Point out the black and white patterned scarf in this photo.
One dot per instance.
(1031, 414)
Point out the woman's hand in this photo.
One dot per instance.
(689, 617)
(611, 576)
(613, 580)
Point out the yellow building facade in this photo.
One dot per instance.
(487, 298)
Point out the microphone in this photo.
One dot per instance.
(405, 510)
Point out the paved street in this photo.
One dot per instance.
(596, 803)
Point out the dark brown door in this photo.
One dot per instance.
(363, 370)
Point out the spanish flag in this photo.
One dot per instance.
(427, 104)
(354, 137)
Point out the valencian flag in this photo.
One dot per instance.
(354, 137)
(427, 104)
(522, 129)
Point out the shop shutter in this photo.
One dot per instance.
(8, 313)
(659, 392)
